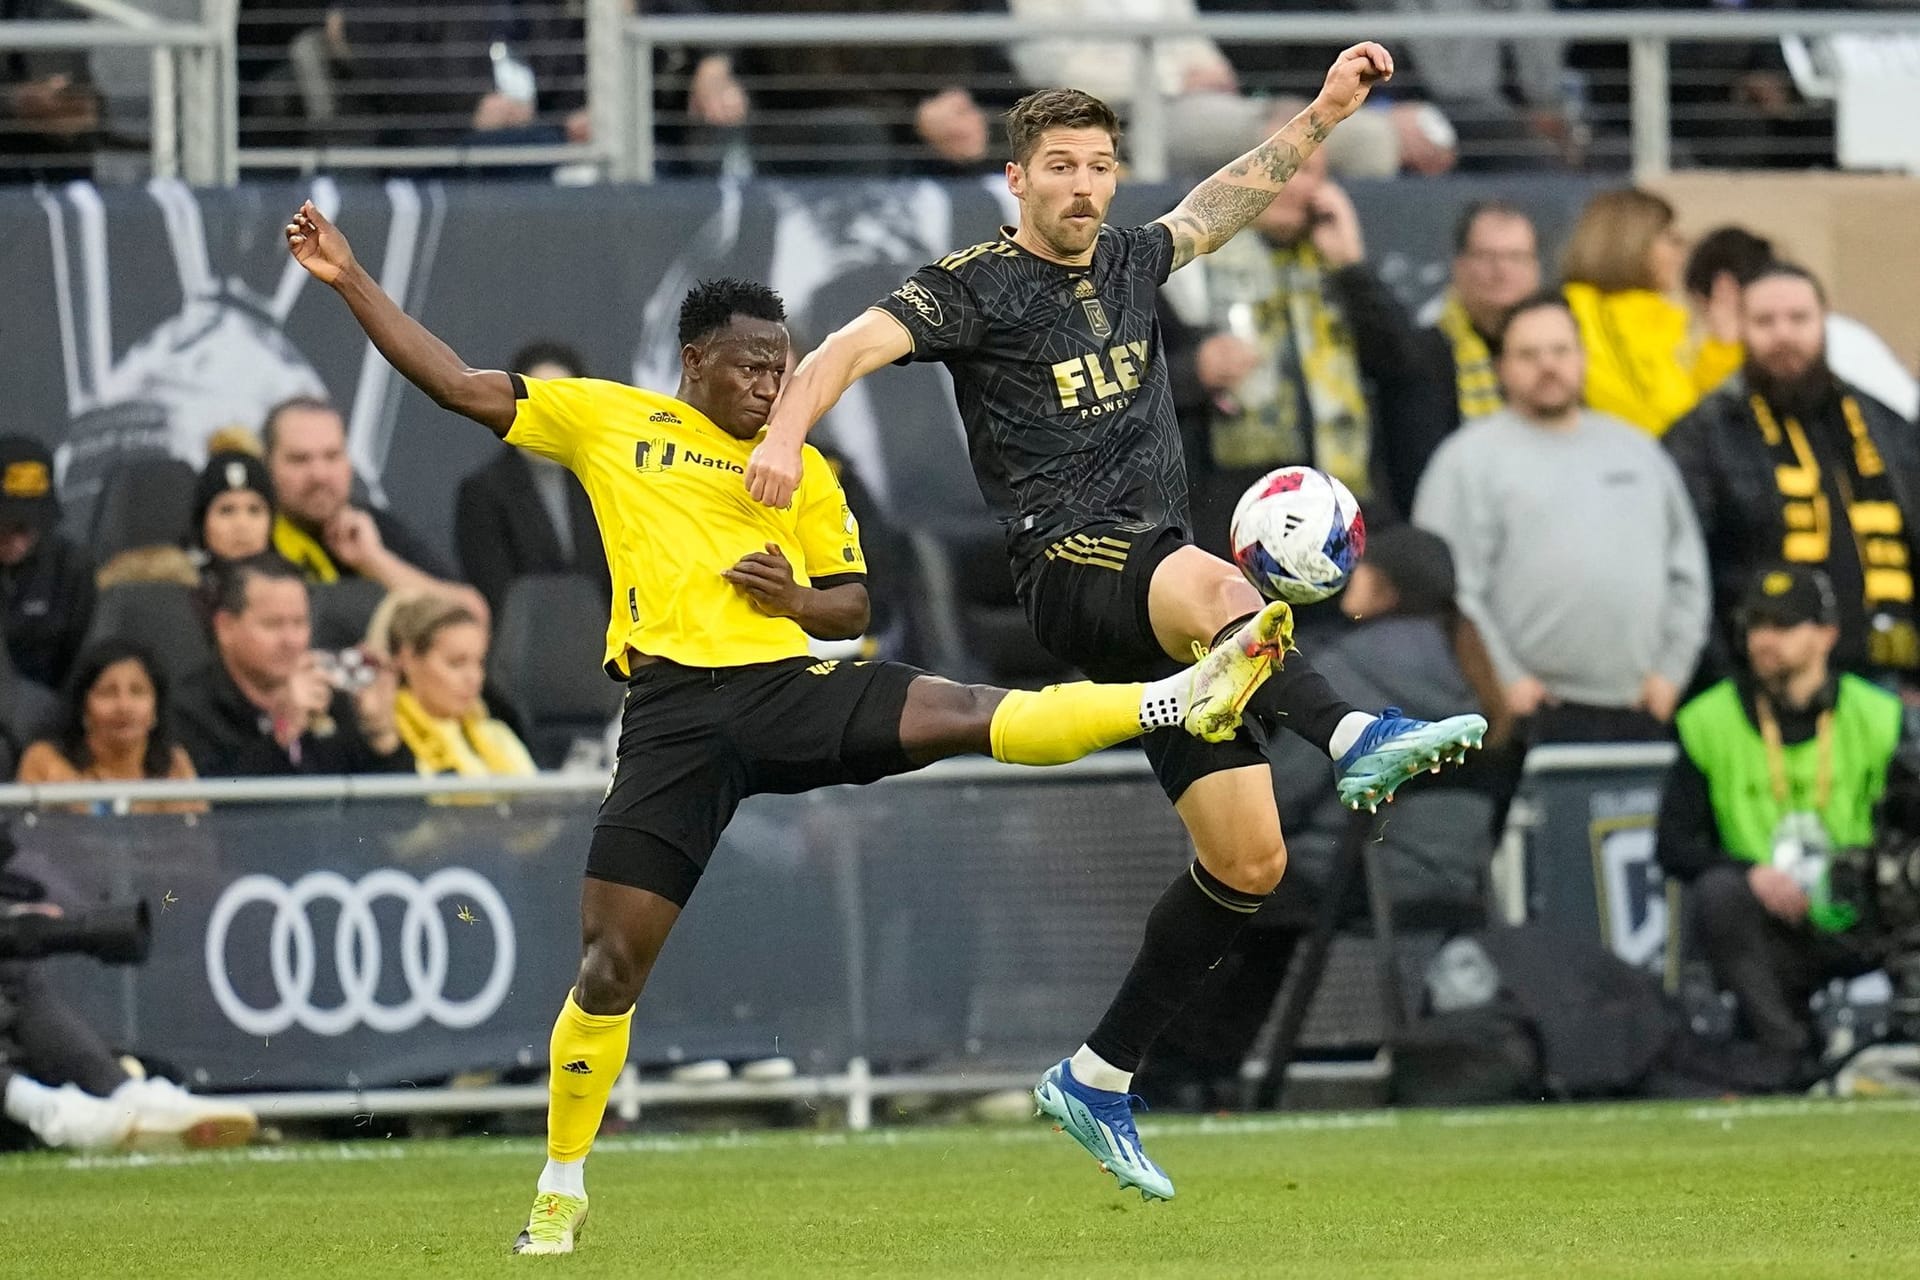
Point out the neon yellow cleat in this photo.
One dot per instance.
(1225, 679)
(553, 1225)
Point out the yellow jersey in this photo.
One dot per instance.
(1642, 365)
(669, 493)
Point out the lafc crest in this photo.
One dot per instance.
(1096, 314)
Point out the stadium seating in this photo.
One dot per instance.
(546, 657)
(342, 610)
(26, 708)
(163, 616)
(145, 502)
(970, 625)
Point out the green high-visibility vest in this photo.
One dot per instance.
(1724, 743)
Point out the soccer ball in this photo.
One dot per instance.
(1296, 534)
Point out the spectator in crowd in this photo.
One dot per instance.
(1448, 377)
(1781, 765)
(1578, 556)
(1266, 358)
(268, 704)
(1623, 269)
(114, 726)
(868, 102)
(231, 518)
(1410, 647)
(1108, 69)
(1467, 79)
(233, 509)
(439, 650)
(49, 108)
(1789, 462)
(499, 534)
(46, 579)
(507, 73)
(1720, 267)
(319, 530)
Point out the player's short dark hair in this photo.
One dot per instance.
(292, 404)
(545, 351)
(1478, 209)
(1545, 300)
(231, 577)
(1733, 251)
(711, 305)
(1030, 118)
(1778, 270)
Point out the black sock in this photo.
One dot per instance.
(1188, 931)
(1296, 697)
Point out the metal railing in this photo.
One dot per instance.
(190, 94)
(1649, 37)
(194, 97)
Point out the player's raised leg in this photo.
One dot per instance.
(1064, 722)
(623, 929)
(1196, 597)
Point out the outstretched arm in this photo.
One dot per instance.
(872, 340)
(1216, 210)
(486, 396)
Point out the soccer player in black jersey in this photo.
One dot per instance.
(1049, 335)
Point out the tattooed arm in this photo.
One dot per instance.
(1215, 211)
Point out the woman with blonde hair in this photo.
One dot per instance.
(1623, 267)
(439, 648)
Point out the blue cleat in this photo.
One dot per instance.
(1102, 1122)
(1395, 749)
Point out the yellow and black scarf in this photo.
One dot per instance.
(471, 747)
(1873, 518)
(1322, 416)
(307, 553)
(1473, 377)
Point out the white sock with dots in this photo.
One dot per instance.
(1163, 703)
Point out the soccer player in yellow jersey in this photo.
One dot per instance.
(715, 596)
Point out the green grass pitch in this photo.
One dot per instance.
(1794, 1189)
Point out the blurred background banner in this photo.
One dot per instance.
(954, 921)
(163, 313)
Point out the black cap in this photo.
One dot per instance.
(1786, 595)
(1417, 564)
(227, 472)
(26, 483)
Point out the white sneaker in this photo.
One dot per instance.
(165, 1115)
(77, 1121)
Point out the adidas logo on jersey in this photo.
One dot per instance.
(661, 415)
(823, 668)
(1083, 288)
(578, 1067)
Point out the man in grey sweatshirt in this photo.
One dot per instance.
(1578, 554)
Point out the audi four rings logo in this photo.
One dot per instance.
(292, 955)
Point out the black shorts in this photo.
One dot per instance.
(696, 741)
(1086, 596)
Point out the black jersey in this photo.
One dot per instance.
(1061, 380)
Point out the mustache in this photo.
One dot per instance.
(1083, 207)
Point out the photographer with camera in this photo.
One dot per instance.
(269, 704)
(58, 1079)
(1780, 771)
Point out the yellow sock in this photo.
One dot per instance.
(1063, 722)
(588, 1051)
